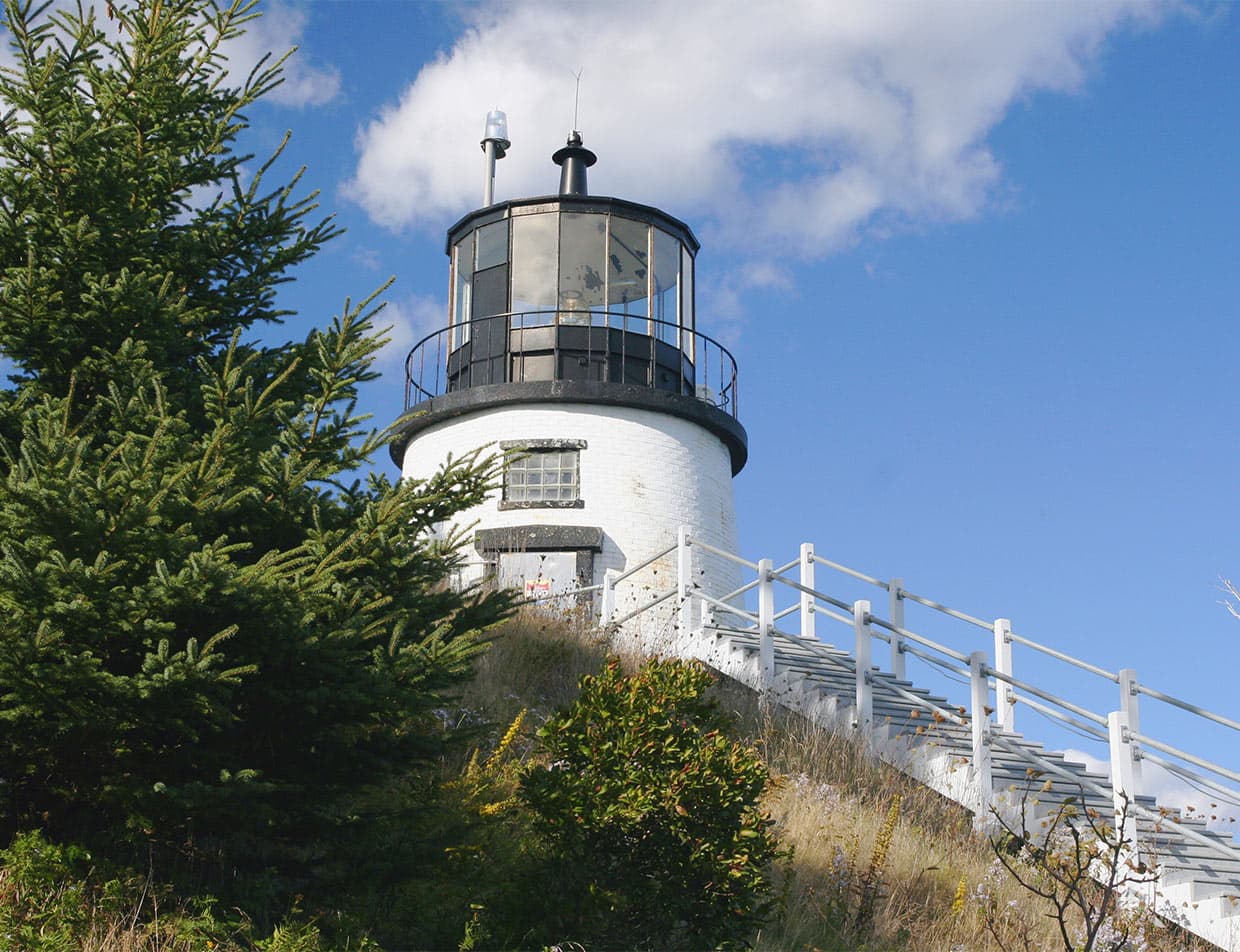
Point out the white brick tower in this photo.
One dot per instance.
(571, 346)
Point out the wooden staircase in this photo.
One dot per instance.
(929, 738)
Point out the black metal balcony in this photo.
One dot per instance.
(574, 345)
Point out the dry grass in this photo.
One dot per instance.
(925, 880)
(878, 861)
(831, 805)
(535, 661)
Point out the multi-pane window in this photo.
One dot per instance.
(543, 473)
(545, 265)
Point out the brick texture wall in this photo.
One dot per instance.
(643, 474)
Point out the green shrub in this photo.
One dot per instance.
(59, 898)
(649, 813)
(41, 904)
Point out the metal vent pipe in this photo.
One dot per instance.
(573, 161)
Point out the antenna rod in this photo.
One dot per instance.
(576, 95)
(495, 145)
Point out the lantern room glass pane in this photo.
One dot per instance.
(583, 247)
(666, 287)
(628, 265)
(686, 302)
(492, 245)
(462, 297)
(534, 253)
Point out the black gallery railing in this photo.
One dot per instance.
(600, 346)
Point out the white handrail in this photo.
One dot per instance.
(963, 616)
(641, 565)
(847, 571)
(1084, 665)
(1047, 696)
(1030, 689)
(1018, 639)
(920, 702)
(698, 593)
(1191, 708)
(657, 600)
(833, 616)
(1049, 711)
(1216, 792)
(829, 599)
(921, 640)
(736, 592)
(723, 554)
(935, 661)
(899, 632)
(1186, 756)
(1048, 766)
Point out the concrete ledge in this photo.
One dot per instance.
(461, 403)
(538, 539)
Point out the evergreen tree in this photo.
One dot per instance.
(214, 641)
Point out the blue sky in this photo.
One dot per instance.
(979, 264)
(986, 322)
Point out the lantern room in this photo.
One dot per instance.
(572, 287)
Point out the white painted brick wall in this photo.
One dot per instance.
(643, 474)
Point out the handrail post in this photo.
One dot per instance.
(807, 600)
(1124, 767)
(979, 686)
(684, 582)
(1129, 704)
(863, 653)
(609, 597)
(895, 598)
(1005, 701)
(766, 622)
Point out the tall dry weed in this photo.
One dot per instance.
(535, 660)
(868, 874)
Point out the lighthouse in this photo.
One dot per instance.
(572, 347)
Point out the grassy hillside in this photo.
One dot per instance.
(875, 861)
(878, 861)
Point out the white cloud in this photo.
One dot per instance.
(277, 31)
(768, 276)
(799, 124)
(723, 298)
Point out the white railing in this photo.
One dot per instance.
(989, 671)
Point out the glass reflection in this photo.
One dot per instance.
(534, 252)
(628, 259)
(583, 242)
(492, 245)
(666, 286)
(463, 255)
(686, 302)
